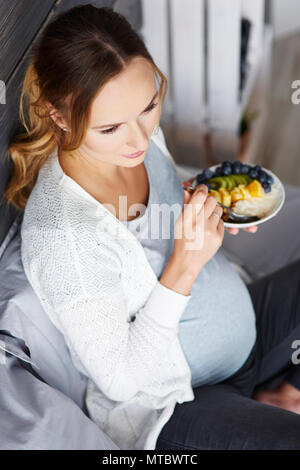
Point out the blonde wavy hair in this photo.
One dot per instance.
(78, 53)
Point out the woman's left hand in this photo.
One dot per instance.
(233, 231)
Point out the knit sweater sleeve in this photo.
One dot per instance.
(122, 352)
(125, 357)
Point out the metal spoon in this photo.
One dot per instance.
(232, 216)
(238, 217)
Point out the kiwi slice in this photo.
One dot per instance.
(248, 179)
(239, 179)
(225, 182)
(244, 179)
(235, 179)
(231, 182)
(218, 182)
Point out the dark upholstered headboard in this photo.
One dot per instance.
(21, 22)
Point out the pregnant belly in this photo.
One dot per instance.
(217, 329)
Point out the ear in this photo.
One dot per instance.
(55, 115)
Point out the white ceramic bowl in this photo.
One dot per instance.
(281, 198)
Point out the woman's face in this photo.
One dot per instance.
(123, 116)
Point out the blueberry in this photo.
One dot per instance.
(207, 173)
(258, 168)
(262, 177)
(226, 171)
(253, 173)
(236, 167)
(266, 187)
(269, 179)
(200, 178)
(226, 168)
(245, 168)
(226, 163)
(218, 171)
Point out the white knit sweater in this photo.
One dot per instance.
(120, 323)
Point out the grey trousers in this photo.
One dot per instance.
(224, 415)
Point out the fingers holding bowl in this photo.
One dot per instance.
(235, 231)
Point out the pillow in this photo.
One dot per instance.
(22, 316)
(35, 416)
(10, 234)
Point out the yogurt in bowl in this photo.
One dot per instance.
(259, 206)
(264, 207)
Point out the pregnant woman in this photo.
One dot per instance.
(129, 266)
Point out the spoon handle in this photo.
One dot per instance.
(237, 217)
(231, 214)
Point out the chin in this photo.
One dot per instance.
(135, 161)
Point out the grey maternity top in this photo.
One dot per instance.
(217, 329)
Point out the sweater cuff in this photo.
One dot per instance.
(166, 306)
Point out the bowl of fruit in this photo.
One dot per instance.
(248, 190)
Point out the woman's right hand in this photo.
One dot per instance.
(198, 232)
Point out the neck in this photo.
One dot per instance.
(75, 164)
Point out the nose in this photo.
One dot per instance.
(138, 139)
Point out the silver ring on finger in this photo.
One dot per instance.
(218, 215)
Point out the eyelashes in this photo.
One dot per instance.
(113, 129)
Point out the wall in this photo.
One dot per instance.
(285, 17)
(21, 22)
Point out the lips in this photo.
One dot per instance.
(134, 155)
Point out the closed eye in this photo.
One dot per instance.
(113, 129)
